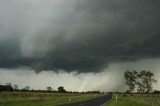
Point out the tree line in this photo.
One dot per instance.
(9, 88)
(142, 81)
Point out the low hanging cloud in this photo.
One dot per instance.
(111, 79)
(78, 35)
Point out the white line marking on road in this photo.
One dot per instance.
(106, 102)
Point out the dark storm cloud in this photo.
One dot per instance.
(82, 35)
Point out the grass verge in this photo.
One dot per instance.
(135, 100)
(41, 99)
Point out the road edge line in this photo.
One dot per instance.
(107, 102)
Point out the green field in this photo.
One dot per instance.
(54, 99)
(41, 99)
(135, 100)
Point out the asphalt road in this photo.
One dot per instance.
(99, 101)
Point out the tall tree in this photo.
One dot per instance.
(130, 80)
(143, 80)
(138, 81)
(148, 80)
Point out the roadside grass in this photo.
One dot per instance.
(135, 100)
(41, 99)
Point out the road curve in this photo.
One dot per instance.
(99, 101)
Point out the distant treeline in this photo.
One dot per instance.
(6, 88)
(131, 93)
(9, 88)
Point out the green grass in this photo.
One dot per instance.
(41, 99)
(136, 100)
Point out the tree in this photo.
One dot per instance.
(61, 89)
(142, 80)
(9, 84)
(148, 80)
(130, 80)
(15, 87)
(49, 88)
(6, 88)
(27, 88)
(138, 81)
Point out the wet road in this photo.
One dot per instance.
(99, 101)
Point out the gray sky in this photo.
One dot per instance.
(77, 36)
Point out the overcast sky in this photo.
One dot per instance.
(78, 44)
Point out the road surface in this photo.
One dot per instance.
(99, 101)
